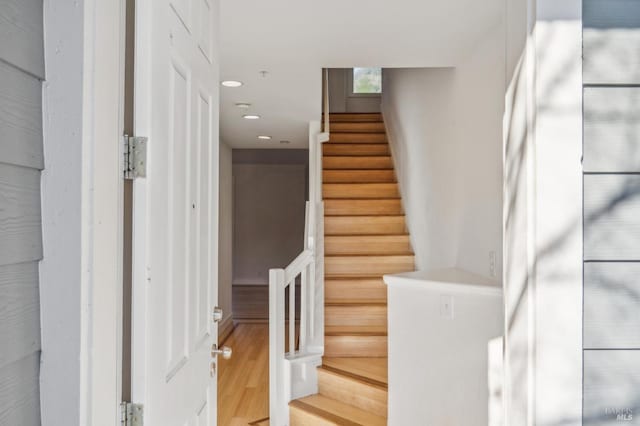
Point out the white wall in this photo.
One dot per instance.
(418, 112)
(225, 234)
(438, 361)
(445, 127)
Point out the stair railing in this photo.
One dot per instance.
(292, 363)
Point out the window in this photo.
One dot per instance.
(367, 80)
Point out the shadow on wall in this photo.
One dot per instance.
(609, 229)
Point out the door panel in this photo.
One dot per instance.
(175, 224)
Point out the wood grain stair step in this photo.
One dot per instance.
(363, 207)
(356, 315)
(364, 225)
(319, 410)
(346, 162)
(357, 127)
(363, 393)
(337, 137)
(367, 265)
(358, 176)
(355, 345)
(360, 190)
(375, 369)
(356, 149)
(355, 289)
(356, 330)
(367, 244)
(352, 117)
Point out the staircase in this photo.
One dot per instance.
(365, 238)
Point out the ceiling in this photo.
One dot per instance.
(294, 39)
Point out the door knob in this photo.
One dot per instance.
(225, 351)
(217, 314)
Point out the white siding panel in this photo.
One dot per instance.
(20, 221)
(21, 38)
(611, 387)
(612, 217)
(20, 118)
(19, 397)
(611, 300)
(611, 39)
(19, 312)
(612, 129)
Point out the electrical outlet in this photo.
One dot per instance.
(446, 306)
(492, 264)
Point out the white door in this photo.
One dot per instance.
(175, 212)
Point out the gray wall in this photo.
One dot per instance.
(21, 160)
(269, 195)
(225, 234)
(342, 100)
(611, 102)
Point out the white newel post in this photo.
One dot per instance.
(277, 398)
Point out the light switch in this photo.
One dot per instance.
(446, 306)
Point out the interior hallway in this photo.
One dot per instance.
(243, 380)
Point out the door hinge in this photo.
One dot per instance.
(135, 156)
(131, 414)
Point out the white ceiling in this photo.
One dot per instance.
(294, 39)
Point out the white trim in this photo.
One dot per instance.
(81, 274)
(452, 280)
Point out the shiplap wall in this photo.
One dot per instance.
(21, 160)
(611, 163)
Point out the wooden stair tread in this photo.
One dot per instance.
(354, 302)
(367, 245)
(352, 137)
(360, 190)
(365, 225)
(335, 117)
(370, 368)
(355, 315)
(355, 288)
(359, 176)
(355, 265)
(356, 149)
(359, 345)
(376, 162)
(355, 330)
(319, 409)
(357, 127)
(362, 392)
(363, 207)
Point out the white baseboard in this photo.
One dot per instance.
(225, 328)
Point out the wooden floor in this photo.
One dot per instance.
(243, 380)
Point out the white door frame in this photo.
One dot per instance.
(81, 274)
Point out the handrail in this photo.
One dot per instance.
(299, 263)
(325, 99)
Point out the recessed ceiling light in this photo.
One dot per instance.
(243, 105)
(251, 117)
(264, 137)
(231, 83)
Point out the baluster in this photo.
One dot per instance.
(304, 304)
(292, 316)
